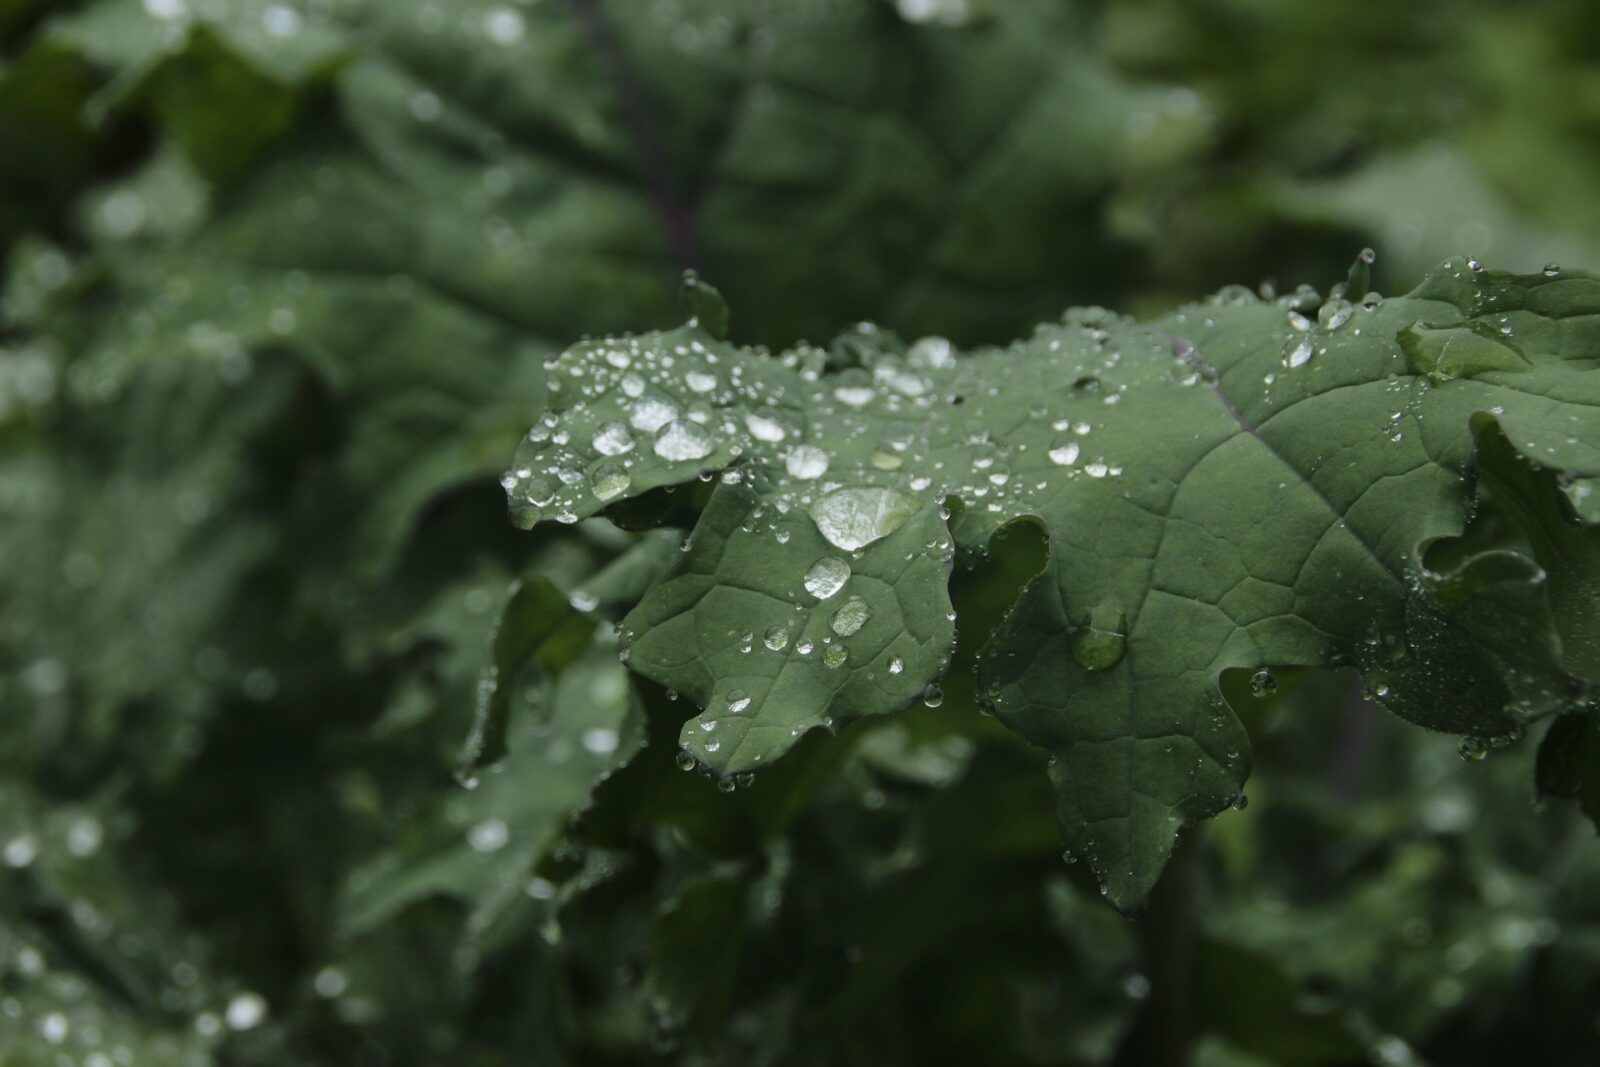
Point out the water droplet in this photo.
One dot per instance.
(1263, 684)
(1334, 314)
(887, 461)
(613, 439)
(851, 616)
(834, 656)
(738, 700)
(764, 427)
(776, 637)
(806, 462)
(681, 440)
(933, 696)
(826, 577)
(896, 665)
(1065, 452)
(1297, 353)
(1100, 645)
(686, 760)
(1472, 748)
(610, 482)
(700, 381)
(650, 413)
(856, 516)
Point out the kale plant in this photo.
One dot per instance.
(853, 641)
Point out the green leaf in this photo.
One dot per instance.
(483, 847)
(1569, 762)
(537, 631)
(1245, 484)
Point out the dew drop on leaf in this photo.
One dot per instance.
(933, 696)
(776, 637)
(834, 656)
(856, 516)
(764, 427)
(1297, 353)
(851, 616)
(1100, 645)
(610, 482)
(681, 440)
(738, 700)
(806, 462)
(651, 413)
(1334, 314)
(1065, 452)
(1263, 684)
(1472, 748)
(613, 439)
(826, 577)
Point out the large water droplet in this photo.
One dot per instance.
(764, 427)
(834, 656)
(776, 638)
(1100, 645)
(613, 439)
(1297, 353)
(683, 440)
(826, 577)
(650, 413)
(1065, 452)
(610, 482)
(1334, 314)
(856, 516)
(806, 462)
(851, 616)
(1263, 684)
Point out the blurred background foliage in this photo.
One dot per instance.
(280, 279)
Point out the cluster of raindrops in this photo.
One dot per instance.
(859, 448)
